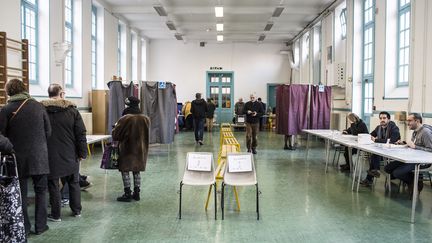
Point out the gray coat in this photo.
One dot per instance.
(28, 132)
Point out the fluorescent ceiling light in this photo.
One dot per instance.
(160, 10)
(219, 37)
(219, 27)
(170, 25)
(178, 36)
(219, 12)
(268, 26)
(261, 37)
(278, 11)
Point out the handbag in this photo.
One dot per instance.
(12, 220)
(110, 157)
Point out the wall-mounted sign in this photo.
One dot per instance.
(162, 85)
(215, 68)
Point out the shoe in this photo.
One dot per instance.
(374, 173)
(136, 194)
(36, 232)
(345, 169)
(76, 214)
(254, 151)
(83, 177)
(366, 183)
(286, 147)
(51, 218)
(85, 184)
(127, 196)
(292, 148)
(249, 150)
(344, 165)
(64, 202)
(200, 142)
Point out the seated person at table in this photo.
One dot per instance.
(421, 139)
(357, 126)
(385, 131)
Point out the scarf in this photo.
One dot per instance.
(20, 96)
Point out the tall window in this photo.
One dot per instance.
(134, 56)
(119, 56)
(368, 55)
(342, 19)
(403, 42)
(29, 31)
(68, 68)
(94, 47)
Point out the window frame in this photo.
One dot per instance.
(402, 10)
(33, 7)
(342, 19)
(69, 25)
(119, 51)
(94, 42)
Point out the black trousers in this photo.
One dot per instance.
(346, 155)
(40, 189)
(72, 181)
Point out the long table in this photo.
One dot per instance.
(405, 155)
(91, 139)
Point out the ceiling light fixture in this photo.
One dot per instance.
(261, 37)
(219, 12)
(170, 25)
(268, 26)
(178, 36)
(219, 27)
(220, 38)
(278, 11)
(160, 10)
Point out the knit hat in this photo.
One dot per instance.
(132, 101)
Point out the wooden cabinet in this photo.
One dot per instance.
(99, 104)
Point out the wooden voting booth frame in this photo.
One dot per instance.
(228, 144)
(8, 45)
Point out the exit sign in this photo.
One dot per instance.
(215, 68)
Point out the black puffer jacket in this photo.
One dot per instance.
(28, 132)
(68, 141)
(357, 127)
(199, 109)
(255, 106)
(382, 134)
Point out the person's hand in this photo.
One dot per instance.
(344, 132)
(249, 112)
(254, 113)
(373, 138)
(410, 144)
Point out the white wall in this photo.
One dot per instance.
(254, 65)
(10, 18)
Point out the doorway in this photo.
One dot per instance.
(220, 88)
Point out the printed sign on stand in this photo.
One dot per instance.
(162, 85)
(321, 88)
(199, 162)
(240, 163)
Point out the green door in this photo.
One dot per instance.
(220, 89)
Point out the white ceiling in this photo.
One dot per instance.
(244, 20)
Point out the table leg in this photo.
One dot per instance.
(103, 146)
(415, 192)
(88, 149)
(307, 145)
(327, 154)
(350, 159)
(360, 165)
(355, 170)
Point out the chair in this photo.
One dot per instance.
(197, 177)
(237, 178)
(339, 149)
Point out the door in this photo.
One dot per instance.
(271, 96)
(220, 89)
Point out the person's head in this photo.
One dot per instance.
(259, 99)
(241, 100)
(353, 118)
(252, 97)
(414, 120)
(132, 101)
(384, 118)
(56, 91)
(15, 86)
(198, 96)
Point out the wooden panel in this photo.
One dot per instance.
(100, 111)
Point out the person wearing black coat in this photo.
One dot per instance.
(198, 110)
(211, 107)
(67, 146)
(357, 126)
(253, 110)
(132, 106)
(386, 130)
(25, 122)
(261, 122)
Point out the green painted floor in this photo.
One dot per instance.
(299, 203)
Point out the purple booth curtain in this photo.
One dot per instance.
(291, 108)
(320, 107)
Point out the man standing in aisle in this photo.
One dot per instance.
(253, 110)
(261, 122)
(67, 146)
(198, 110)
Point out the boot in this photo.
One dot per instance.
(136, 194)
(127, 197)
